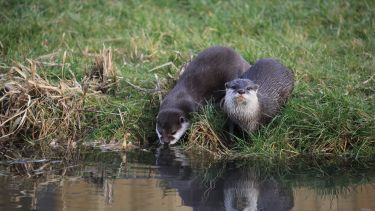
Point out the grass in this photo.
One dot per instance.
(329, 45)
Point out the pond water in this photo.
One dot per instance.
(168, 179)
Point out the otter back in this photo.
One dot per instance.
(206, 75)
(275, 80)
(276, 83)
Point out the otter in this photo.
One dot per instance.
(258, 95)
(203, 78)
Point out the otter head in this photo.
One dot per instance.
(241, 91)
(241, 190)
(171, 124)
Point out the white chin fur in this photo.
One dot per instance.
(252, 105)
(159, 135)
(178, 135)
(180, 132)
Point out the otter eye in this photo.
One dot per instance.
(174, 132)
(233, 87)
(182, 119)
(249, 88)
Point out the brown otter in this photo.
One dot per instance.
(258, 95)
(204, 78)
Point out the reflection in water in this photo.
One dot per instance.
(245, 191)
(233, 189)
(169, 180)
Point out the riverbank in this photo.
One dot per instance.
(52, 52)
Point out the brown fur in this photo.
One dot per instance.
(204, 78)
(273, 84)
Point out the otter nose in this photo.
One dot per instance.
(241, 91)
(167, 140)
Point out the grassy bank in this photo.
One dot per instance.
(328, 45)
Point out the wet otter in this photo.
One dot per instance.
(258, 95)
(204, 78)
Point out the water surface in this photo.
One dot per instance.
(168, 179)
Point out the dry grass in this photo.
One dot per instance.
(102, 76)
(49, 115)
(205, 133)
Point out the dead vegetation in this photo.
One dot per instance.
(38, 113)
(205, 133)
(102, 76)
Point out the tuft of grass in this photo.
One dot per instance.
(34, 109)
(206, 132)
(45, 114)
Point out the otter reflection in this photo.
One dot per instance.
(224, 187)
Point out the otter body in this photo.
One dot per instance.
(204, 78)
(258, 95)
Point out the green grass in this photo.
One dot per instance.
(329, 45)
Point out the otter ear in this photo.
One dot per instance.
(227, 85)
(182, 119)
(256, 86)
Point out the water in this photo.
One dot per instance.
(169, 180)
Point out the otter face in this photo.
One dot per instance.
(241, 91)
(243, 195)
(171, 125)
